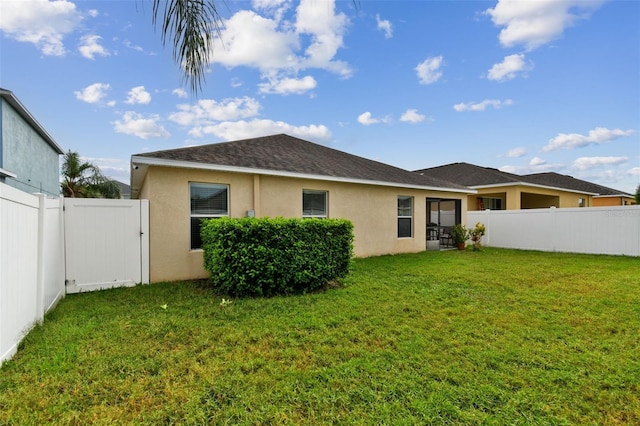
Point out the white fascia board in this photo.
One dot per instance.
(7, 173)
(614, 196)
(534, 185)
(148, 161)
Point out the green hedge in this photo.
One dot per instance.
(267, 257)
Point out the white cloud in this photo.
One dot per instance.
(508, 69)
(515, 153)
(90, 46)
(282, 46)
(366, 119)
(385, 26)
(429, 70)
(326, 28)
(535, 165)
(138, 125)
(181, 93)
(412, 116)
(43, 23)
(585, 163)
(138, 95)
(481, 106)
(237, 46)
(208, 111)
(233, 130)
(310, 40)
(535, 23)
(597, 136)
(286, 86)
(634, 171)
(93, 93)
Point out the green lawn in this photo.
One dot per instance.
(493, 337)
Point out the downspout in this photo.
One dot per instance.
(256, 195)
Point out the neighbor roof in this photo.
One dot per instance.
(470, 174)
(12, 100)
(569, 182)
(476, 176)
(289, 156)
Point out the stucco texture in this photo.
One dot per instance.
(371, 208)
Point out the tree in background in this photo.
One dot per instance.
(638, 195)
(81, 179)
(191, 25)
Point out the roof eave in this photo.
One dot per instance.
(139, 169)
(26, 115)
(534, 185)
(623, 195)
(7, 173)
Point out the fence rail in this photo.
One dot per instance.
(34, 242)
(31, 263)
(596, 230)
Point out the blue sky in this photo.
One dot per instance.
(523, 86)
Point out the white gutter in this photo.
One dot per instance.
(149, 161)
(532, 185)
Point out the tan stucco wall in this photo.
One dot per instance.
(612, 201)
(518, 197)
(371, 208)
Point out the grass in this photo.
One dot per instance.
(494, 337)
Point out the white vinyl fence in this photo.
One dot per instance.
(597, 230)
(31, 263)
(110, 242)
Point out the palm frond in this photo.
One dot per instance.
(191, 26)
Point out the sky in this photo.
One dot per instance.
(522, 86)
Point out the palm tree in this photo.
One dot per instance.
(81, 179)
(191, 25)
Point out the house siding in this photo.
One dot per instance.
(26, 154)
(526, 197)
(371, 208)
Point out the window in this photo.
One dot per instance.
(580, 202)
(314, 203)
(207, 201)
(405, 217)
(492, 203)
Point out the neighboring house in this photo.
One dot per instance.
(29, 157)
(283, 176)
(604, 196)
(497, 190)
(125, 190)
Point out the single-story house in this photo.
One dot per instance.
(283, 176)
(29, 156)
(498, 190)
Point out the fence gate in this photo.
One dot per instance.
(107, 243)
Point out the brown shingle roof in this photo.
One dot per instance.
(474, 176)
(569, 182)
(288, 154)
(470, 174)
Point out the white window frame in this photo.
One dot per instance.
(404, 216)
(326, 203)
(192, 215)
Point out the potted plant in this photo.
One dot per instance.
(460, 235)
(476, 235)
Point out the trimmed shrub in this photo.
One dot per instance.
(268, 257)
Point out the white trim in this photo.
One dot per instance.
(147, 161)
(614, 196)
(7, 173)
(498, 185)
